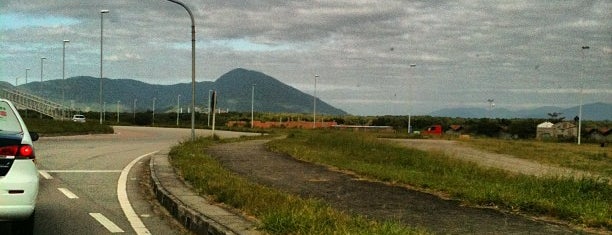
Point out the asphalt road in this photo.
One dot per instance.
(90, 183)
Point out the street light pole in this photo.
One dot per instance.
(26, 81)
(118, 110)
(209, 92)
(409, 102)
(192, 67)
(252, 103)
(41, 74)
(314, 104)
(135, 110)
(102, 12)
(178, 107)
(581, 93)
(153, 121)
(64, 74)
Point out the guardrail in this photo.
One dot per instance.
(24, 100)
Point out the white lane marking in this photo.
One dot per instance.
(68, 194)
(83, 171)
(126, 206)
(112, 227)
(45, 174)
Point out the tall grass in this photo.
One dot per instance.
(581, 201)
(276, 211)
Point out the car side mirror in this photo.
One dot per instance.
(34, 136)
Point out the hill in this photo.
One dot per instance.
(233, 88)
(594, 111)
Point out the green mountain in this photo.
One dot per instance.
(233, 94)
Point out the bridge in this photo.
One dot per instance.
(24, 100)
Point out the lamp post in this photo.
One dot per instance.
(102, 12)
(118, 110)
(134, 110)
(192, 67)
(26, 81)
(252, 103)
(153, 120)
(409, 101)
(209, 92)
(314, 104)
(41, 74)
(178, 107)
(64, 74)
(581, 93)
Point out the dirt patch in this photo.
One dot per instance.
(372, 199)
(493, 160)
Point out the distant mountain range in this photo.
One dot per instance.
(594, 111)
(234, 94)
(233, 89)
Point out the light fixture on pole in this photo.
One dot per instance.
(314, 104)
(102, 12)
(64, 74)
(252, 102)
(581, 93)
(192, 67)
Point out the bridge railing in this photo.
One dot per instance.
(24, 100)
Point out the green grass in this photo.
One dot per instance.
(587, 157)
(289, 214)
(48, 127)
(580, 201)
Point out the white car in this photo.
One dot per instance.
(18, 173)
(78, 118)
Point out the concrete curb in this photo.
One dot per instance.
(193, 211)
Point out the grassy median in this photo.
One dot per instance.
(49, 127)
(277, 212)
(581, 201)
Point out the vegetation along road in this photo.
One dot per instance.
(352, 193)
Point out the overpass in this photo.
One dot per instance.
(24, 100)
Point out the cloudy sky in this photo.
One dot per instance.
(522, 54)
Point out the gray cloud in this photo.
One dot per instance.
(522, 53)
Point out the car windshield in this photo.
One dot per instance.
(8, 119)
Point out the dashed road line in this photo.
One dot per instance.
(109, 225)
(45, 174)
(68, 193)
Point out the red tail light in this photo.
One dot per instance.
(8, 150)
(19, 151)
(26, 151)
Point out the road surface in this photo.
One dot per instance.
(91, 184)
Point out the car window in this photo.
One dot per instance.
(8, 119)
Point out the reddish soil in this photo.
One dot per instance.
(376, 200)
